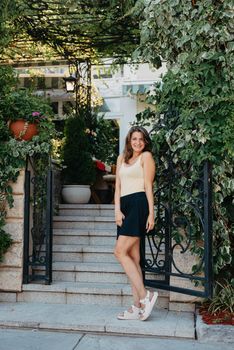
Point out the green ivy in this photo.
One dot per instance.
(195, 38)
(13, 153)
(5, 242)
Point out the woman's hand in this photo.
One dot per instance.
(119, 217)
(150, 223)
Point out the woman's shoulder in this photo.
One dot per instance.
(120, 158)
(147, 155)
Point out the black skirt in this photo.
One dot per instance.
(136, 210)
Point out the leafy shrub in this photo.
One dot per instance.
(103, 139)
(223, 299)
(79, 167)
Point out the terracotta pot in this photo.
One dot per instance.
(22, 130)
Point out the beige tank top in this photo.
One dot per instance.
(131, 177)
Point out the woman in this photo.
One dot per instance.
(134, 216)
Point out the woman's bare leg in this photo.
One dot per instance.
(123, 247)
(134, 253)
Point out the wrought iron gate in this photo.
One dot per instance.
(178, 255)
(38, 221)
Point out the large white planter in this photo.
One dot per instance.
(79, 194)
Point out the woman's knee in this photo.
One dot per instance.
(134, 253)
(123, 246)
(118, 252)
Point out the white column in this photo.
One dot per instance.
(128, 108)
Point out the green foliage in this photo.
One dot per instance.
(20, 104)
(8, 12)
(23, 104)
(8, 80)
(187, 32)
(5, 243)
(103, 139)
(79, 166)
(13, 153)
(97, 28)
(195, 39)
(223, 299)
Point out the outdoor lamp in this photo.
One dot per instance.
(70, 83)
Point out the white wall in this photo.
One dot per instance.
(124, 108)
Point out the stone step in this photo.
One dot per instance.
(89, 272)
(84, 222)
(86, 253)
(97, 318)
(83, 253)
(84, 236)
(86, 210)
(82, 293)
(96, 272)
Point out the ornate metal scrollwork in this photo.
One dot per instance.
(180, 248)
(38, 221)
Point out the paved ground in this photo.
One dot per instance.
(35, 326)
(40, 340)
(96, 319)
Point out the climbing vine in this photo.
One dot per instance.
(195, 38)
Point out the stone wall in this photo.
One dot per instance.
(11, 269)
(179, 301)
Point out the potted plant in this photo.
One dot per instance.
(25, 114)
(79, 170)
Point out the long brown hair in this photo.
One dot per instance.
(128, 151)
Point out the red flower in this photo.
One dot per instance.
(100, 165)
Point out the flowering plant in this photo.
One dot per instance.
(102, 166)
(21, 104)
(36, 117)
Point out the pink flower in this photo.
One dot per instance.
(36, 114)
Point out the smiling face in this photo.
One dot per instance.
(137, 142)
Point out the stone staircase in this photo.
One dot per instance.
(89, 287)
(84, 267)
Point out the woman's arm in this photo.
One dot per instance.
(118, 214)
(149, 174)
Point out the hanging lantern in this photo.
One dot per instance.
(70, 83)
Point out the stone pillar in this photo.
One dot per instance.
(11, 269)
(179, 301)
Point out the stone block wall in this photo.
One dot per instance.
(179, 301)
(11, 269)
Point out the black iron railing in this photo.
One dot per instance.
(38, 221)
(178, 256)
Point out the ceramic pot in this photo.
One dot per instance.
(76, 194)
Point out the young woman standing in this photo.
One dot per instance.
(134, 216)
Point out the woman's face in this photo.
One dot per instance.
(137, 141)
